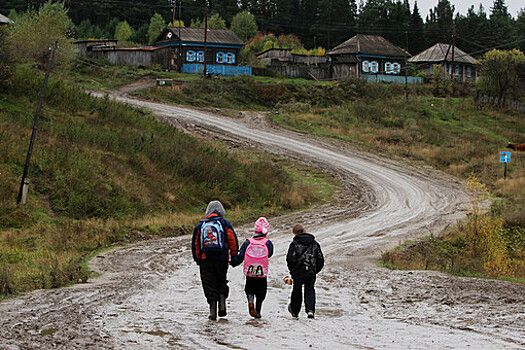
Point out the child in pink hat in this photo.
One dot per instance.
(255, 253)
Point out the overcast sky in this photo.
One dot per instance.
(462, 6)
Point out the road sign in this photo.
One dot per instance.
(504, 157)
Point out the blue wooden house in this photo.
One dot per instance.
(187, 50)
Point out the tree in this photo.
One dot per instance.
(439, 23)
(500, 24)
(214, 22)
(500, 73)
(140, 35)
(244, 25)
(123, 31)
(416, 42)
(473, 30)
(34, 32)
(519, 29)
(227, 8)
(156, 26)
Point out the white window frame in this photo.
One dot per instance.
(374, 67)
(230, 58)
(200, 56)
(469, 72)
(396, 68)
(219, 58)
(190, 56)
(388, 68)
(365, 66)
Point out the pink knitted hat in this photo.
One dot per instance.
(262, 225)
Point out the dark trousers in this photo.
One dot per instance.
(213, 278)
(309, 295)
(256, 286)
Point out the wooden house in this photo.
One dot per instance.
(465, 66)
(4, 20)
(187, 50)
(367, 55)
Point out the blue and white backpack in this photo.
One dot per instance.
(212, 237)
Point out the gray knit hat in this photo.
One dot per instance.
(215, 207)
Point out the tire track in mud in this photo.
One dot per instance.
(149, 294)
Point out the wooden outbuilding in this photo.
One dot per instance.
(465, 66)
(187, 50)
(367, 55)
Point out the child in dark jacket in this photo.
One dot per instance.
(305, 259)
(255, 253)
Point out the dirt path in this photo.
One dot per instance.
(149, 294)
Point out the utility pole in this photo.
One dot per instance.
(173, 15)
(24, 183)
(205, 36)
(406, 62)
(180, 48)
(453, 70)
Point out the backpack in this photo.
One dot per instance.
(306, 263)
(256, 258)
(212, 237)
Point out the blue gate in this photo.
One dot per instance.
(196, 68)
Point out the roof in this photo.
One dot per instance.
(213, 36)
(272, 49)
(368, 44)
(442, 53)
(4, 19)
(143, 48)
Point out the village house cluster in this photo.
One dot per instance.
(367, 57)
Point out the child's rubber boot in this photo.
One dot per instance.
(213, 311)
(251, 306)
(222, 305)
(258, 308)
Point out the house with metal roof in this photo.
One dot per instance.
(465, 66)
(188, 54)
(4, 20)
(367, 56)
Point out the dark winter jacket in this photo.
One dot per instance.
(237, 260)
(305, 258)
(231, 241)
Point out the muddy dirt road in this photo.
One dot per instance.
(149, 294)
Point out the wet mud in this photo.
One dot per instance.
(148, 295)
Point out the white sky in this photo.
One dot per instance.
(462, 6)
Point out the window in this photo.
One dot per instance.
(469, 72)
(431, 68)
(396, 68)
(220, 57)
(230, 58)
(456, 70)
(190, 56)
(388, 68)
(374, 67)
(366, 66)
(200, 56)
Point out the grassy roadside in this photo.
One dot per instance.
(104, 174)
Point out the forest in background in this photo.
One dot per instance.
(317, 23)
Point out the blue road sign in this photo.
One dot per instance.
(504, 157)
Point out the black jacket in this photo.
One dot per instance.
(305, 258)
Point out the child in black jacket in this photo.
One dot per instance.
(304, 259)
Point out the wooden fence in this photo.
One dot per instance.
(481, 100)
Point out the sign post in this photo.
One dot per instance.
(504, 157)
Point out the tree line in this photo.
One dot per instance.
(317, 23)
